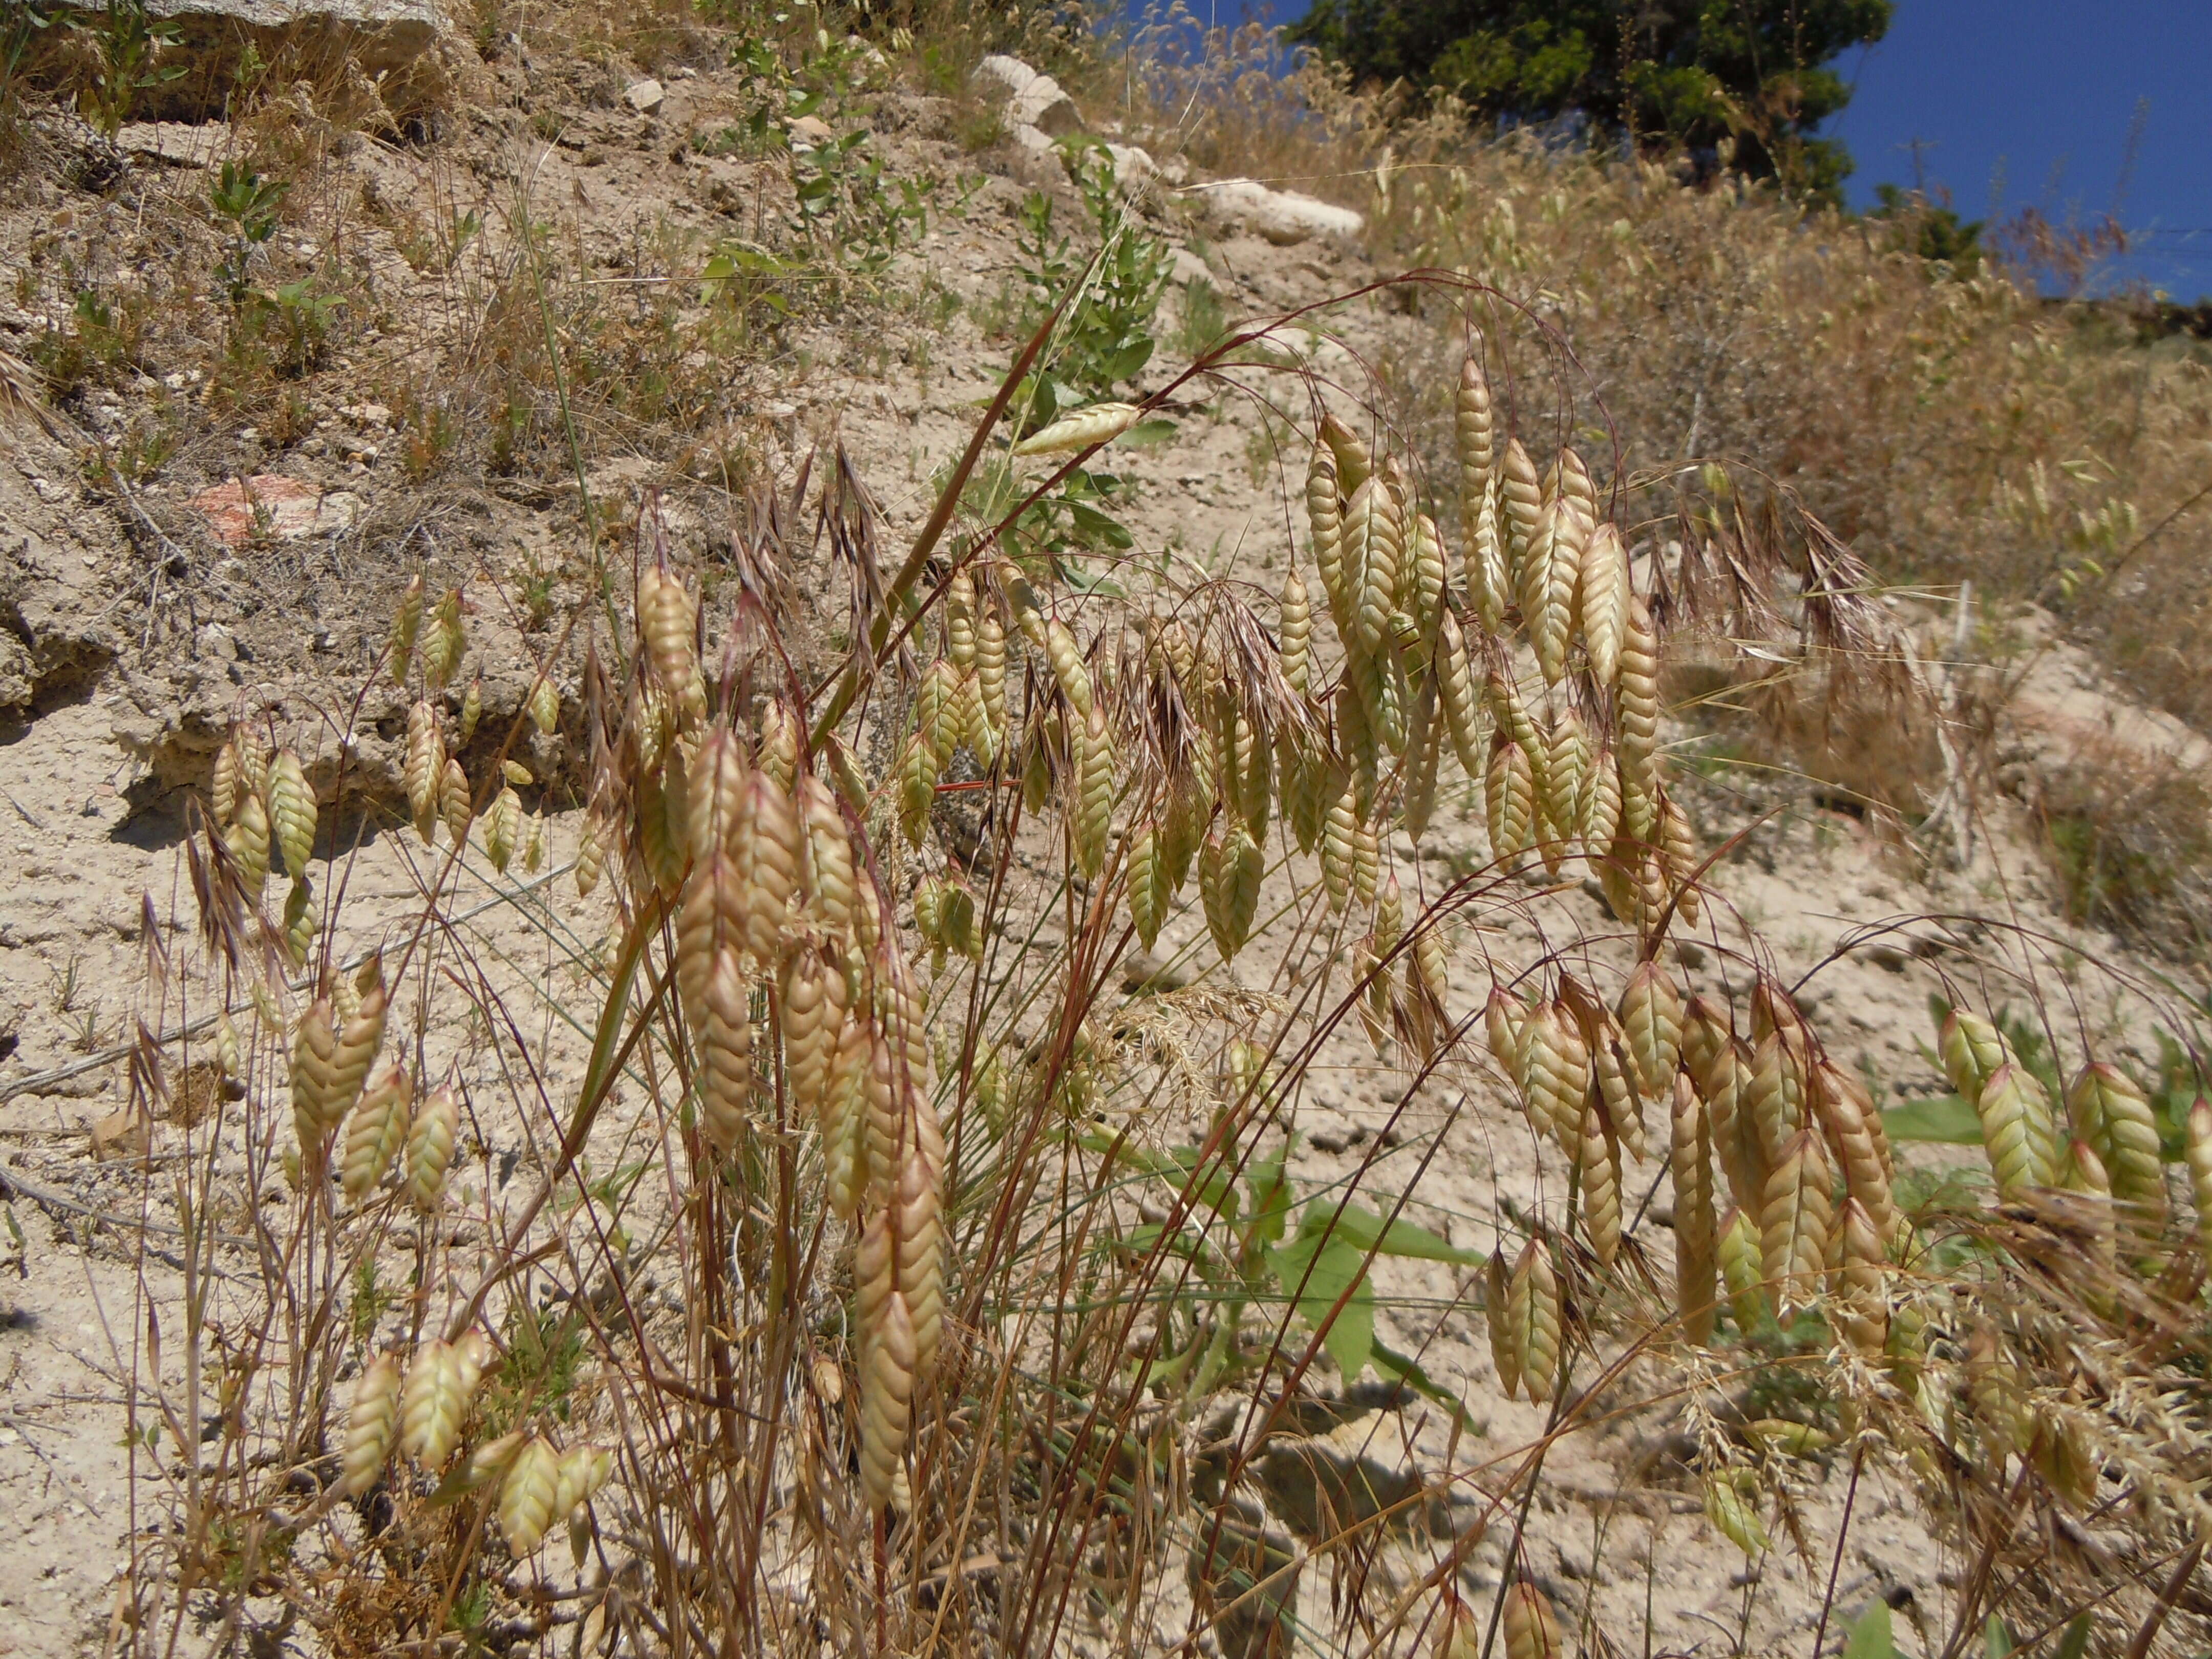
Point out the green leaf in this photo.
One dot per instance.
(1389, 1361)
(1145, 434)
(2075, 1641)
(1870, 1636)
(1096, 526)
(1946, 1118)
(1350, 1336)
(1366, 1230)
(1270, 1191)
(1997, 1638)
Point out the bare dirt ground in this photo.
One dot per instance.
(138, 632)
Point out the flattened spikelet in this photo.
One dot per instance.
(1793, 1222)
(887, 1361)
(1603, 602)
(1509, 791)
(425, 763)
(724, 1042)
(1534, 1307)
(1530, 1627)
(454, 805)
(1498, 1313)
(429, 1153)
(2114, 1116)
(291, 811)
(1519, 499)
(372, 1426)
(1098, 424)
(1294, 625)
(1598, 1156)
(526, 1495)
(2017, 1129)
(1651, 1013)
(1697, 1242)
(434, 1403)
(378, 1131)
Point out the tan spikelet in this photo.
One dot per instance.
(454, 805)
(1456, 694)
(1650, 1014)
(1794, 1221)
(1567, 775)
(1339, 845)
(425, 763)
(1636, 708)
(248, 840)
(1498, 1316)
(1294, 628)
(406, 629)
(1530, 1627)
(1533, 1309)
(1680, 856)
(715, 787)
(770, 845)
(429, 1153)
(314, 1056)
(371, 1425)
(502, 828)
(1555, 1069)
(356, 1040)
(667, 622)
(1424, 757)
(1602, 599)
(1613, 1072)
(1697, 1237)
(2110, 1111)
(1774, 1098)
(844, 1120)
(887, 1361)
(1509, 791)
(1473, 433)
(434, 1403)
(1503, 1016)
(1847, 1114)
(1971, 1050)
(1598, 1158)
(291, 811)
(1374, 544)
(724, 1043)
(1741, 1269)
(1098, 424)
(1861, 1293)
(378, 1131)
(527, 1495)
(920, 1238)
(2018, 1131)
(814, 996)
(1521, 500)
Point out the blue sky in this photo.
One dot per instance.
(2026, 103)
(2031, 103)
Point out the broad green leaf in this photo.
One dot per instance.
(1997, 1638)
(1333, 1266)
(2075, 1641)
(1946, 1118)
(1145, 434)
(1366, 1230)
(1270, 1190)
(1870, 1636)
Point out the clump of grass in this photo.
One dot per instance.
(898, 1261)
